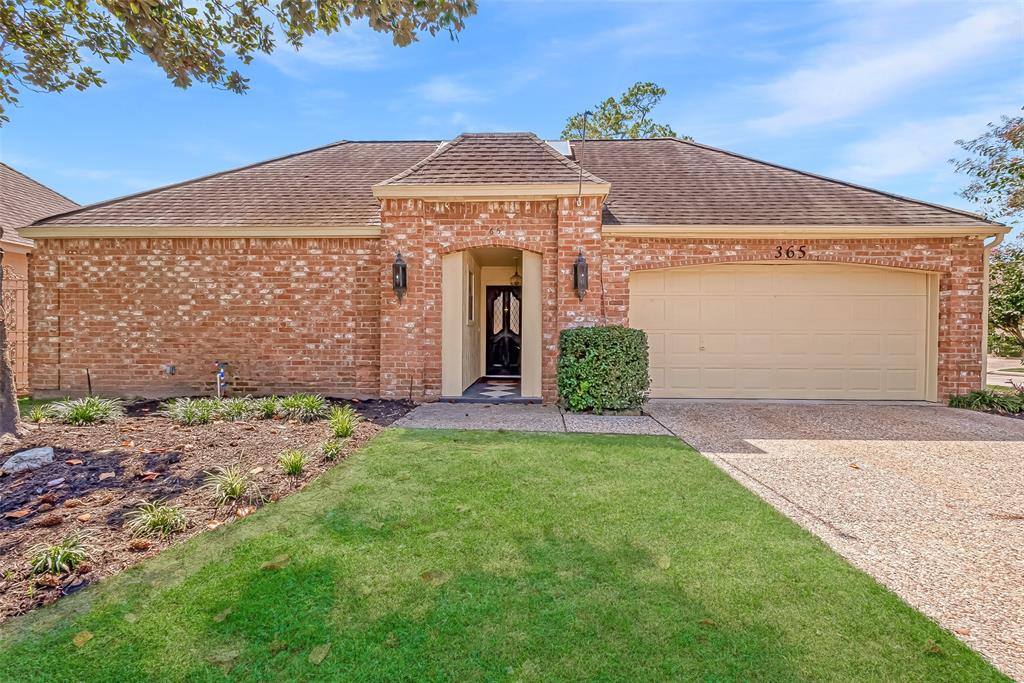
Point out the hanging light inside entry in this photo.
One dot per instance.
(516, 280)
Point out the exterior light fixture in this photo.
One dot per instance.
(579, 276)
(516, 280)
(399, 276)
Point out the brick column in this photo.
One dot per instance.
(401, 323)
(579, 228)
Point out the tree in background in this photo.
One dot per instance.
(1006, 297)
(996, 167)
(51, 45)
(626, 117)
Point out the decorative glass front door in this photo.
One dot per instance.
(504, 319)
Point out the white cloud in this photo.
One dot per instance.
(913, 147)
(348, 49)
(860, 71)
(447, 90)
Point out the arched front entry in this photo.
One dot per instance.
(789, 331)
(490, 297)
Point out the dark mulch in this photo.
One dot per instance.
(143, 457)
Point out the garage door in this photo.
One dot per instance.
(812, 331)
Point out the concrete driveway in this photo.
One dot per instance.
(928, 500)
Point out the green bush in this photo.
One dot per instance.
(266, 408)
(235, 409)
(191, 411)
(89, 410)
(1004, 346)
(990, 400)
(333, 448)
(304, 407)
(156, 519)
(292, 461)
(60, 558)
(602, 368)
(343, 421)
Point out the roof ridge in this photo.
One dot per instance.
(189, 181)
(442, 148)
(36, 182)
(837, 181)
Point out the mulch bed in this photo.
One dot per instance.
(102, 472)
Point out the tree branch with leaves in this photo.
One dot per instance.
(52, 45)
(996, 167)
(623, 118)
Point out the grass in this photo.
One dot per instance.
(436, 555)
(343, 421)
(87, 410)
(156, 519)
(229, 484)
(292, 461)
(60, 558)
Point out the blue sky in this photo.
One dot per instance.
(874, 93)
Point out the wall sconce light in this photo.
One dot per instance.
(579, 276)
(399, 276)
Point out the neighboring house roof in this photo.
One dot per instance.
(493, 158)
(677, 182)
(654, 182)
(24, 201)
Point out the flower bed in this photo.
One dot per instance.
(102, 473)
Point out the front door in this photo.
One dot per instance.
(504, 317)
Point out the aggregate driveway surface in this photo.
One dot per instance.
(928, 500)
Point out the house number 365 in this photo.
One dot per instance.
(792, 251)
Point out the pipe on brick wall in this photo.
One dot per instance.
(987, 251)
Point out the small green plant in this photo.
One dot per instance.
(190, 411)
(332, 449)
(88, 410)
(39, 414)
(292, 461)
(234, 409)
(156, 519)
(305, 407)
(266, 408)
(61, 558)
(343, 421)
(228, 484)
(992, 400)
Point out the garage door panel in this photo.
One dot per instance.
(764, 331)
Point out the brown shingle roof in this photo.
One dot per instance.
(493, 158)
(325, 187)
(670, 181)
(23, 200)
(660, 181)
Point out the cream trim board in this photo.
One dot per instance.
(210, 232)
(452, 267)
(491, 190)
(17, 247)
(932, 358)
(761, 231)
(532, 321)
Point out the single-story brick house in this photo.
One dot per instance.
(752, 280)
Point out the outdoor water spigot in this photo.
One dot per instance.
(221, 376)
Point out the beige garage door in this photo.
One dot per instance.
(786, 331)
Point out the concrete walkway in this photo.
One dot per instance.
(524, 418)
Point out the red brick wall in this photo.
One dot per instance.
(320, 314)
(959, 261)
(287, 314)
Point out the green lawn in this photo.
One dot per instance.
(435, 555)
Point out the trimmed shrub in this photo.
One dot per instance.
(602, 368)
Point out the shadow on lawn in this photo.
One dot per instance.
(572, 610)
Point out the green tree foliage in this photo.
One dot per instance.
(996, 166)
(1006, 290)
(53, 45)
(626, 117)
